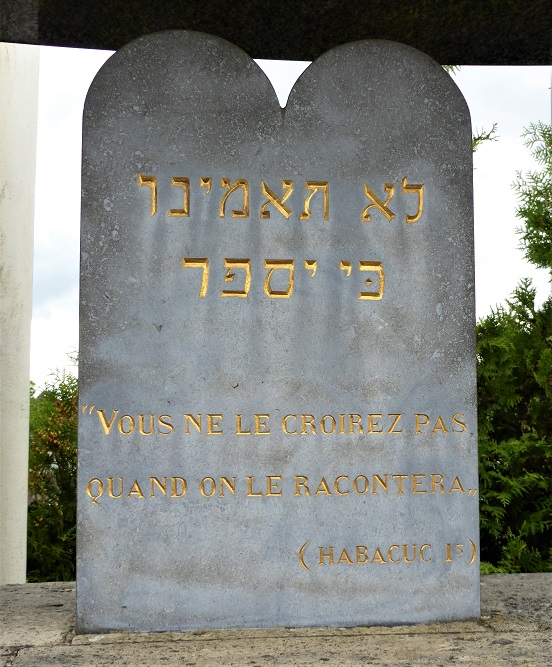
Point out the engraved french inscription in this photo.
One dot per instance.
(277, 422)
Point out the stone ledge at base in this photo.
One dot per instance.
(37, 629)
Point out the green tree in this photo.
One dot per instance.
(51, 533)
(514, 354)
(535, 195)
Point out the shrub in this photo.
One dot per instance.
(51, 534)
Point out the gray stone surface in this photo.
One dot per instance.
(156, 341)
(36, 614)
(514, 630)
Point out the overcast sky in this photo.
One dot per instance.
(513, 97)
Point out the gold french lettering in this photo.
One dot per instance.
(301, 483)
(361, 555)
(390, 554)
(141, 427)
(323, 424)
(100, 490)
(175, 491)
(342, 424)
(399, 479)
(323, 488)
(457, 485)
(458, 551)
(250, 492)
(405, 553)
(307, 420)
(121, 423)
(424, 546)
(378, 203)
(285, 424)
(439, 426)
(355, 420)
(356, 485)
(458, 422)
(336, 485)
(378, 557)
(395, 423)
(207, 493)
(344, 558)
(135, 490)
(162, 486)
(272, 485)
(373, 424)
(230, 485)
(417, 481)
(421, 420)
(261, 425)
(239, 428)
(196, 423)
(323, 556)
(436, 481)
(106, 425)
(213, 425)
(376, 479)
(110, 492)
(165, 420)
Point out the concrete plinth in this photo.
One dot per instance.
(37, 624)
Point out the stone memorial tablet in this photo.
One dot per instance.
(277, 422)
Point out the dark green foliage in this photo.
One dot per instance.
(535, 195)
(514, 348)
(514, 354)
(52, 482)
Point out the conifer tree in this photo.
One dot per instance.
(514, 354)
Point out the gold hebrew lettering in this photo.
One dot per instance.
(274, 265)
(381, 206)
(199, 263)
(376, 267)
(310, 265)
(346, 266)
(240, 184)
(151, 182)
(230, 275)
(317, 186)
(279, 204)
(205, 182)
(417, 190)
(181, 182)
